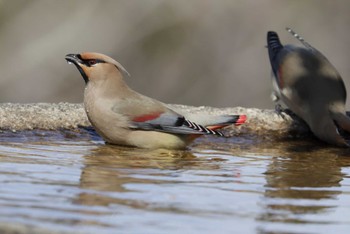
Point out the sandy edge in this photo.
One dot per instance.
(54, 116)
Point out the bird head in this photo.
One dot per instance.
(95, 66)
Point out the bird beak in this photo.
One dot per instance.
(77, 61)
(73, 58)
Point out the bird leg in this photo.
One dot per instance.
(284, 112)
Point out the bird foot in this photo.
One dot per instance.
(283, 112)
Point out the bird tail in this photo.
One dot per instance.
(220, 122)
(274, 46)
(202, 129)
(225, 120)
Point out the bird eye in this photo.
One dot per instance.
(92, 62)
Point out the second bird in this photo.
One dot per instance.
(308, 84)
(124, 117)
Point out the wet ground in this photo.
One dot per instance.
(71, 182)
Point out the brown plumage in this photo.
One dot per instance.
(124, 117)
(309, 85)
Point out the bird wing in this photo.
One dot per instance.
(144, 113)
(169, 122)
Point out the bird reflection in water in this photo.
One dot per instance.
(113, 174)
(302, 182)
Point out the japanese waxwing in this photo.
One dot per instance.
(124, 117)
(308, 84)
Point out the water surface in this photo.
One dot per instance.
(69, 182)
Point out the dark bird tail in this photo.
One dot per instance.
(274, 46)
(225, 120)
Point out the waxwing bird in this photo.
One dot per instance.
(124, 117)
(308, 84)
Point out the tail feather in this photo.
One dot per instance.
(202, 129)
(241, 120)
(221, 121)
(225, 120)
(274, 46)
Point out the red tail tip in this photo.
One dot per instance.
(241, 120)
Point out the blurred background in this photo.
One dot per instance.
(194, 52)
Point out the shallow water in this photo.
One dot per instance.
(74, 183)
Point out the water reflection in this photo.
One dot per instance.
(112, 168)
(242, 184)
(302, 180)
(297, 176)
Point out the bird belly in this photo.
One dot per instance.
(156, 140)
(112, 127)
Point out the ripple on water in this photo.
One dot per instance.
(77, 184)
